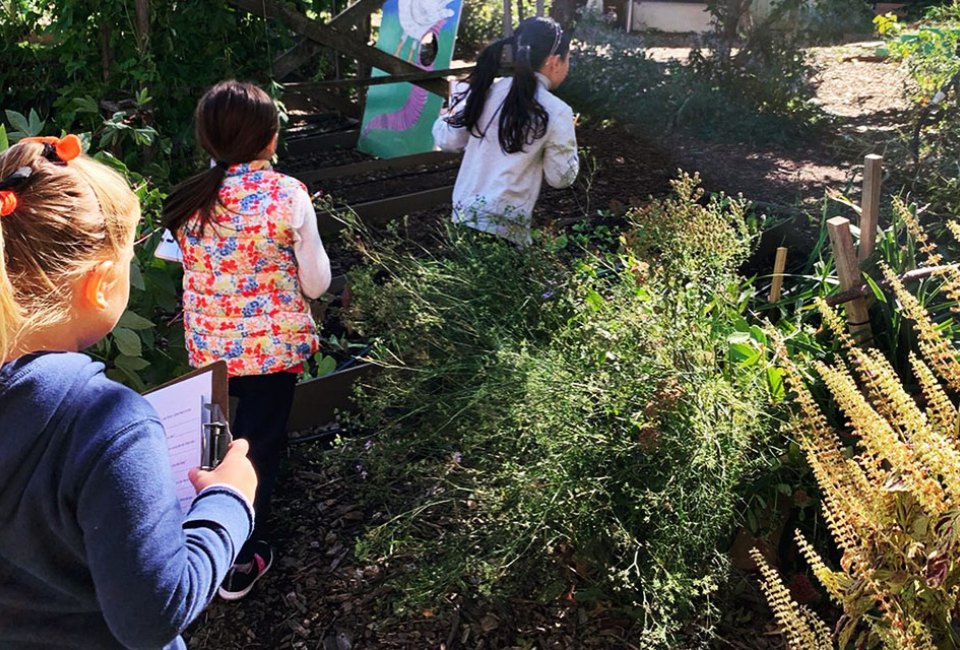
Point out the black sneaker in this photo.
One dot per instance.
(241, 577)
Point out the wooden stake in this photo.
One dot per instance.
(779, 264)
(848, 271)
(870, 204)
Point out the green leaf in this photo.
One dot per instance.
(326, 365)
(134, 321)
(4, 141)
(875, 288)
(86, 104)
(128, 377)
(136, 276)
(132, 364)
(594, 300)
(18, 121)
(127, 342)
(744, 354)
(775, 383)
(36, 124)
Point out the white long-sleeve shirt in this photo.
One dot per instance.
(313, 264)
(495, 191)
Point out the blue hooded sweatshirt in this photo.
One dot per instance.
(94, 550)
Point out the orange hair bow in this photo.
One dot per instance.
(66, 148)
(8, 199)
(8, 202)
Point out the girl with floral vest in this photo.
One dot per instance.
(251, 253)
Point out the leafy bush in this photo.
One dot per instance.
(550, 425)
(78, 62)
(924, 158)
(762, 94)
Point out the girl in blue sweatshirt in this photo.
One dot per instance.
(94, 549)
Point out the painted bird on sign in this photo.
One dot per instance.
(417, 17)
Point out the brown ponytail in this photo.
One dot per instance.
(234, 123)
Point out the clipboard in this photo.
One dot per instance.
(194, 410)
(168, 249)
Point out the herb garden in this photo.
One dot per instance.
(714, 405)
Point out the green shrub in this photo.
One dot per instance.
(761, 94)
(550, 423)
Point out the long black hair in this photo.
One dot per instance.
(522, 119)
(234, 123)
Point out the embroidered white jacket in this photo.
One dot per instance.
(495, 191)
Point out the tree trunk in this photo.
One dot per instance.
(106, 50)
(142, 24)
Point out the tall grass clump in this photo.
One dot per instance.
(550, 424)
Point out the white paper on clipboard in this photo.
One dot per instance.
(169, 249)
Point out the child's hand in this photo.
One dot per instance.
(234, 470)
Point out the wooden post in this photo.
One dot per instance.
(848, 271)
(779, 264)
(870, 204)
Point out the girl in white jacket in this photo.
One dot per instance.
(532, 136)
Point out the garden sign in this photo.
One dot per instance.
(398, 117)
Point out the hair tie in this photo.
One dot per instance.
(8, 199)
(523, 53)
(8, 202)
(61, 150)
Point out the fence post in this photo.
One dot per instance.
(870, 204)
(848, 271)
(779, 264)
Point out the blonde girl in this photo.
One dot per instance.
(94, 550)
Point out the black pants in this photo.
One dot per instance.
(261, 418)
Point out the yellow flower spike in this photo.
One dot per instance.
(832, 581)
(833, 322)
(942, 413)
(880, 440)
(926, 246)
(938, 352)
(803, 631)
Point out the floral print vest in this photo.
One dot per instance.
(241, 292)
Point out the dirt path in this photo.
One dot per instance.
(864, 93)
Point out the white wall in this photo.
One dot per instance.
(671, 16)
(683, 16)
